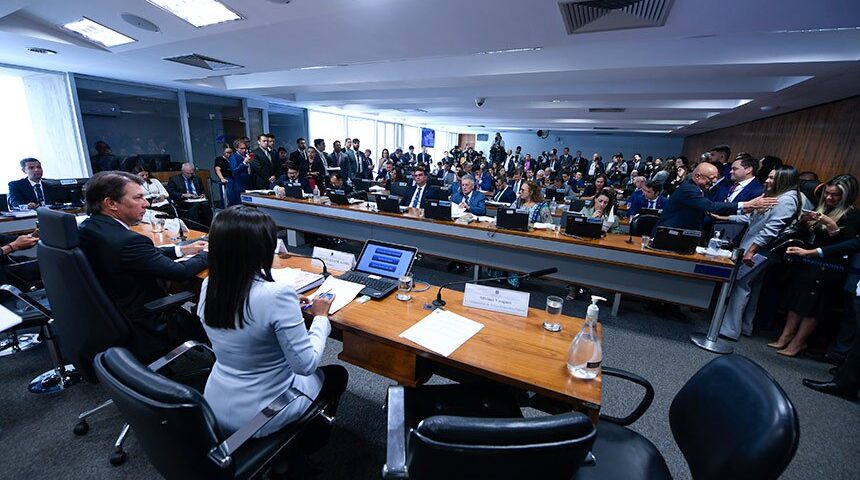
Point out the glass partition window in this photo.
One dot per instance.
(327, 126)
(364, 130)
(212, 123)
(136, 123)
(411, 136)
(287, 124)
(38, 117)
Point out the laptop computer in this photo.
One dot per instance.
(580, 226)
(676, 239)
(513, 219)
(438, 210)
(338, 197)
(554, 193)
(577, 205)
(380, 266)
(399, 188)
(361, 195)
(388, 203)
(294, 191)
(651, 211)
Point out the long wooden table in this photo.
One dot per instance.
(511, 350)
(609, 263)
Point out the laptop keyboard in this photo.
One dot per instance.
(376, 284)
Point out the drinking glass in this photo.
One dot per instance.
(553, 310)
(646, 240)
(404, 286)
(157, 225)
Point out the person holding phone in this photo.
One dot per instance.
(258, 332)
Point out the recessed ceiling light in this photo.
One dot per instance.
(43, 51)
(511, 50)
(556, 100)
(98, 33)
(199, 13)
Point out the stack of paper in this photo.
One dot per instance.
(442, 331)
(376, 188)
(344, 292)
(301, 280)
(456, 211)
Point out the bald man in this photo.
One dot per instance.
(688, 205)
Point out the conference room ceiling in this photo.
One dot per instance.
(713, 63)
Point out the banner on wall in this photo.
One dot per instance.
(428, 137)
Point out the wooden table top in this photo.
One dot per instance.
(610, 241)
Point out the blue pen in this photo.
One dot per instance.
(318, 296)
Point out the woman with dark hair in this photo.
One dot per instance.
(600, 182)
(256, 327)
(813, 288)
(603, 208)
(764, 226)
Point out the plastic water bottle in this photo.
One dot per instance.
(316, 194)
(553, 206)
(586, 354)
(714, 244)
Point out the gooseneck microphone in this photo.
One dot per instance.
(439, 302)
(325, 273)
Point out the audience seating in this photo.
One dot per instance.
(453, 431)
(730, 420)
(178, 431)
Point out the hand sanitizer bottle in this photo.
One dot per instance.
(585, 355)
(714, 244)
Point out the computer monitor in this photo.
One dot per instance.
(388, 203)
(676, 239)
(554, 193)
(438, 210)
(66, 191)
(399, 188)
(338, 197)
(294, 191)
(577, 205)
(513, 219)
(580, 226)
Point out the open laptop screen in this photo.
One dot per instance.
(386, 259)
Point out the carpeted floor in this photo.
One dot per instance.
(36, 439)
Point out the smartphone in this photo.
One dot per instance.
(807, 211)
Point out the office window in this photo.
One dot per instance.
(212, 122)
(329, 126)
(288, 124)
(411, 136)
(38, 119)
(139, 123)
(364, 130)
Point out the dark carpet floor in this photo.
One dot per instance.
(36, 439)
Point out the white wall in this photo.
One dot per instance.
(605, 145)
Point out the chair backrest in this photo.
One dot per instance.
(86, 320)
(465, 447)
(732, 420)
(171, 421)
(643, 225)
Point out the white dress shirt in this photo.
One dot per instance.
(739, 189)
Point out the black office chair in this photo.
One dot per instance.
(643, 225)
(217, 193)
(730, 420)
(86, 320)
(178, 431)
(476, 447)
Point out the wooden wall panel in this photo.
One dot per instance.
(824, 139)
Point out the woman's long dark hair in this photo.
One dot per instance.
(241, 248)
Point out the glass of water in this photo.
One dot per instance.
(157, 225)
(646, 240)
(404, 286)
(553, 310)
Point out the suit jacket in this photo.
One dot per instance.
(764, 227)
(263, 169)
(176, 187)
(427, 194)
(638, 202)
(350, 170)
(565, 161)
(752, 190)
(283, 181)
(300, 158)
(599, 169)
(580, 164)
(336, 159)
(687, 207)
(129, 268)
(485, 183)
(408, 157)
(22, 193)
(477, 202)
(847, 247)
(425, 158)
(505, 196)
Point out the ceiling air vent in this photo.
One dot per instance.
(202, 61)
(583, 16)
(607, 110)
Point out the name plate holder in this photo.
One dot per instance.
(495, 299)
(334, 259)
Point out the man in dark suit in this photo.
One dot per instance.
(335, 181)
(640, 165)
(292, 179)
(566, 159)
(580, 164)
(688, 205)
(504, 193)
(131, 269)
(743, 185)
(649, 197)
(409, 157)
(186, 191)
(424, 158)
(264, 166)
(595, 168)
(31, 192)
(417, 195)
(300, 157)
(338, 156)
(357, 163)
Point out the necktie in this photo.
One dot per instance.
(416, 197)
(189, 186)
(732, 191)
(650, 203)
(40, 196)
(358, 162)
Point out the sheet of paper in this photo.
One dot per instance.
(376, 188)
(265, 192)
(456, 211)
(301, 280)
(158, 204)
(543, 226)
(196, 200)
(8, 318)
(442, 331)
(486, 219)
(344, 292)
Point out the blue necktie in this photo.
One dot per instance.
(189, 186)
(40, 196)
(416, 197)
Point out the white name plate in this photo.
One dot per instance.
(334, 260)
(496, 299)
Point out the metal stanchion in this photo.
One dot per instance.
(711, 341)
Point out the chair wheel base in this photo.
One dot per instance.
(719, 346)
(25, 342)
(54, 380)
(118, 457)
(81, 428)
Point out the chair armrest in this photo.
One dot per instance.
(177, 352)
(167, 302)
(395, 452)
(643, 404)
(222, 453)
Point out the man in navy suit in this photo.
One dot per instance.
(504, 193)
(649, 198)
(688, 205)
(469, 198)
(184, 189)
(293, 179)
(30, 192)
(264, 166)
(419, 193)
(743, 186)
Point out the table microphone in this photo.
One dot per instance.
(324, 267)
(522, 276)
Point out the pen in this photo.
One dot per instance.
(317, 296)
